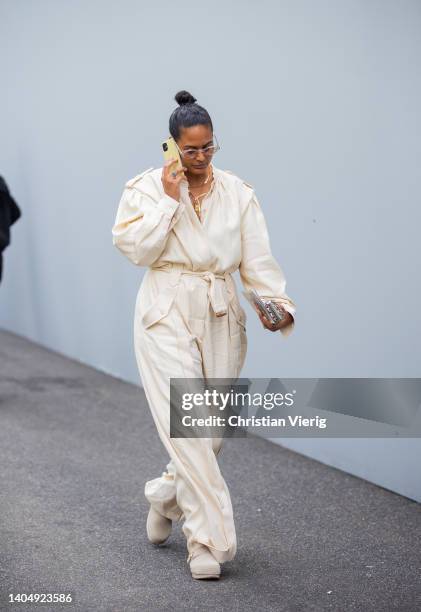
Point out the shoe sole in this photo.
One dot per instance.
(158, 543)
(201, 576)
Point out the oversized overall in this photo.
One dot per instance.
(189, 324)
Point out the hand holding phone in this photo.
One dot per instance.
(170, 182)
(173, 170)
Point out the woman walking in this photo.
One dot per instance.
(193, 228)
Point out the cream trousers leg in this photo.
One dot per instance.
(189, 341)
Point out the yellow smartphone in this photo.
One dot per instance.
(170, 151)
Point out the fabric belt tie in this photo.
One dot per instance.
(214, 292)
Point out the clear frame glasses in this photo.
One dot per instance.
(210, 150)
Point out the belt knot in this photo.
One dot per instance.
(215, 294)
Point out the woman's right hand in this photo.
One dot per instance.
(170, 183)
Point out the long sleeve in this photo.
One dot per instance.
(259, 269)
(143, 224)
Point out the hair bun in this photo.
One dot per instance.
(184, 97)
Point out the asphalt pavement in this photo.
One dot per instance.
(76, 447)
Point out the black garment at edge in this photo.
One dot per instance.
(9, 213)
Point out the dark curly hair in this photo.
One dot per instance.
(187, 114)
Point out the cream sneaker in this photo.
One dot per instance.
(203, 564)
(158, 527)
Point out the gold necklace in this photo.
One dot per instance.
(197, 203)
(207, 178)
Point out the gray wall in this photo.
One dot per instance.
(314, 103)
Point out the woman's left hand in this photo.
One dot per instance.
(287, 320)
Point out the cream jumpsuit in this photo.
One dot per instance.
(189, 324)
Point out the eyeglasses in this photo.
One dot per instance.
(210, 150)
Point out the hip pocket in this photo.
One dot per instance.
(239, 314)
(159, 308)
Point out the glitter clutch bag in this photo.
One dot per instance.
(268, 308)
